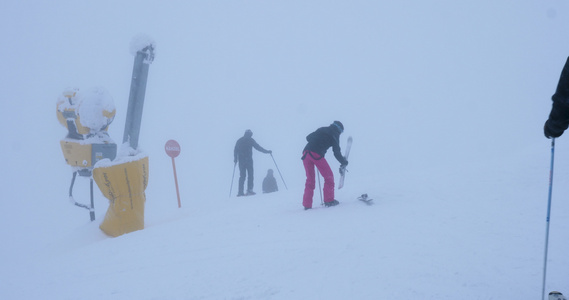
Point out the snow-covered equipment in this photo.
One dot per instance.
(343, 168)
(124, 179)
(87, 116)
(548, 217)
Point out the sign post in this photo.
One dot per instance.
(173, 150)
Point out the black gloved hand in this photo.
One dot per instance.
(343, 169)
(558, 120)
(551, 131)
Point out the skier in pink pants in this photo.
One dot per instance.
(313, 155)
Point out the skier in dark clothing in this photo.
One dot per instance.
(558, 120)
(270, 183)
(243, 153)
(313, 155)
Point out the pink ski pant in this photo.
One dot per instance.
(322, 166)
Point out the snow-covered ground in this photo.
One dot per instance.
(445, 100)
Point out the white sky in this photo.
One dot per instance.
(399, 75)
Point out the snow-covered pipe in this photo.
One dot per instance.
(143, 49)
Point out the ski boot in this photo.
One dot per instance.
(331, 203)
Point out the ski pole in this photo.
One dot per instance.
(548, 217)
(320, 188)
(279, 171)
(233, 177)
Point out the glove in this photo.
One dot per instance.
(343, 169)
(551, 131)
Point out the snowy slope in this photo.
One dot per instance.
(445, 100)
(468, 236)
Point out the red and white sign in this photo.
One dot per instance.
(172, 148)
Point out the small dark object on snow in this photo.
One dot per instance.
(365, 199)
(556, 296)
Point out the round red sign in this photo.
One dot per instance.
(172, 148)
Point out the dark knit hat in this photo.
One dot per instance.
(339, 125)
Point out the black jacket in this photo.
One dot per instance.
(323, 138)
(244, 148)
(270, 183)
(558, 120)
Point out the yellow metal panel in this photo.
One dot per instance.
(76, 154)
(124, 185)
(109, 114)
(80, 128)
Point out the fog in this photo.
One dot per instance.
(442, 98)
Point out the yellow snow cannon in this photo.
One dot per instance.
(87, 116)
(124, 180)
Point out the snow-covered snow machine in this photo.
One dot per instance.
(121, 176)
(87, 116)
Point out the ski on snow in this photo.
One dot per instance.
(343, 168)
(364, 198)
